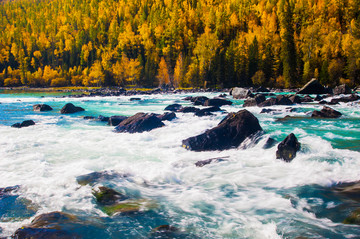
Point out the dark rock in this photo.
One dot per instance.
(25, 123)
(230, 132)
(106, 196)
(173, 107)
(135, 99)
(167, 116)
(326, 112)
(165, 231)
(139, 123)
(318, 98)
(8, 190)
(222, 95)
(266, 111)
(217, 102)
(270, 142)
(202, 163)
(50, 225)
(96, 177)
(287, 148)
(342, 89)
(103, 118)
(345, 99)
(199, 100)
(240, 93)
(283, 100)
(258, 99)
(348, 190)
(268, 102)
(295, 99)
(88, 117)
(188, 109)
(207, 111)
(312, 87)
(42, 107)
(307, 99)
(116, 119)
(262, 89)
(69, 108)
(354, 218)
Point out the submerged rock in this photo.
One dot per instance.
(354, 218)
(202, 163)
(135, 99)
(199, 100)
(312, 87)
(173, 107)
(345, 99)
(25, 123)
(287, 148)
(230, 132)
(107, 196)
(207, 111)
(257, 100)
(189, 109)
(50, 225)
(326, 112)
(139, 123)
(103, 118)
(166, 231)
(69, 108)
(42, 107)
(96, 177)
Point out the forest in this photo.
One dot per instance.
(179, 43)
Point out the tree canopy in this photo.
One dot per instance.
(183, 43)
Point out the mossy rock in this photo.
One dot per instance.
(107, 196)
(129, 206)
(354, 218)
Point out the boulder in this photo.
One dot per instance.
(262, 89)
(106, 196)
(207, 111)
(342, 90)
(42, 107)
(269, 143)
(50, 225)
(173, 107)
(312, 87)
(25, 123)
(135, 99)
(318, 98)
(116, 119)
(167, 116)
(199, 100)
(217, 102)
(98, 177)
(103, 118)
(88, 117)
(230, 132)
(307, 99)
(189, 109)
(326, 112)
(268, 102)
(139, 123)
(69, 108)
(287, 148)
(345, 99)
(258, 99)
(295, 99)
(240, 93)
(283, 100)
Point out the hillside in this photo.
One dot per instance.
(197, 43)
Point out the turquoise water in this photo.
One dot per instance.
(250, 194)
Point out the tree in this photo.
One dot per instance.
(163, 73)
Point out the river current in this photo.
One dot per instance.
(249, 194)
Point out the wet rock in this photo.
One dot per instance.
(189, 109)
(326, 112)
(202, 163)
(295, 99)
(139, 123)
(262, 89)
(25, 123)
(345, 99)
(207, 111)
(199, 100)
(167, 116)
(107, 196)
(354, 218)
(129, 206)
(230, 132)
(88, 117)
(217, 102)
(165, 231)
(312, 87)
(103, 118)
(116, 120)
(96, 177)
(257, 100)
(42, 107)
(318, 98)
(342, 90)
(348, 190)
(173, 107)
(287, 148)
(270, 142)
(50, 225)
(283, 100)
(268, 102)
(8, 190)
(135, 99)
(267, 111)
(307, 99)
(69, 108)
(240, 93)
